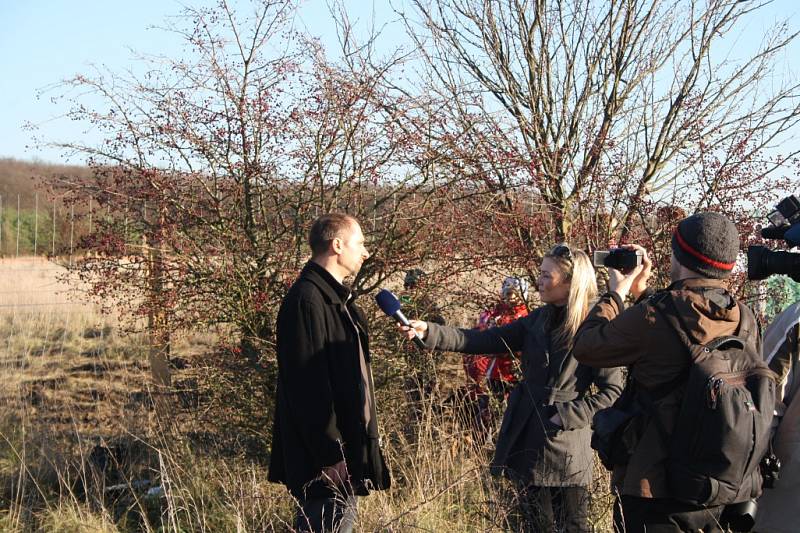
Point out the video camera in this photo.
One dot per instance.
(622, 259)
(784, 224)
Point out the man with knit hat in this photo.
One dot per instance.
(704, 251)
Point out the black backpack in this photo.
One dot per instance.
(722, 430)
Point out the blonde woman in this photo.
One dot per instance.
(543, 444)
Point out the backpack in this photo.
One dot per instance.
(722, 430)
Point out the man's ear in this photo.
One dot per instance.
(337, 245)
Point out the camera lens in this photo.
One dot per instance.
(763, 262)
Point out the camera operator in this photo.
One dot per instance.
(704, 251)
(782, 352)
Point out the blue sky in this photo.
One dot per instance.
(45, 41)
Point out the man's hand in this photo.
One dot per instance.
(336, 474)
(418, 327)
(634, 281)
(640, 283)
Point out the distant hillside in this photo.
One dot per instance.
(35, 234)
(26, 178)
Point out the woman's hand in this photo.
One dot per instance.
(418, 328)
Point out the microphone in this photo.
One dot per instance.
(390, 305)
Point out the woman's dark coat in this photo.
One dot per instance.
(322, 403)
(530, 448)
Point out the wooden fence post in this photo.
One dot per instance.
(157, 324)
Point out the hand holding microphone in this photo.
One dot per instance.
(414, 330)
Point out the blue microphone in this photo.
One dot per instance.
(390, 305)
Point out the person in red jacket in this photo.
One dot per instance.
(489, 377)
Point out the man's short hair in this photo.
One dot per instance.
(326, 228)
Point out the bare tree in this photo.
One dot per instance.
(599, 112)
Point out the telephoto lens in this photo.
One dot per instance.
(763, 262)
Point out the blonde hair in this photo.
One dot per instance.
(577, 268)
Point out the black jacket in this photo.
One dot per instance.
(320, 409)
(529, 447)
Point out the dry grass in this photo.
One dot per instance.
(60, 357)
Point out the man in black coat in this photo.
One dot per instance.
(325, 437)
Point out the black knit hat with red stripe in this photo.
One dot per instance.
(706, 243)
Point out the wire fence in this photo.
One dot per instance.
(35, 226)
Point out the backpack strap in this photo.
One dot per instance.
(719, 342)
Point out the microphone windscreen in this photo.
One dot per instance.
(387, 301)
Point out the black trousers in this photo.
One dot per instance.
(552, 509)
(326, 515)
(662, 515)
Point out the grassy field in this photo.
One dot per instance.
(86, 444)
